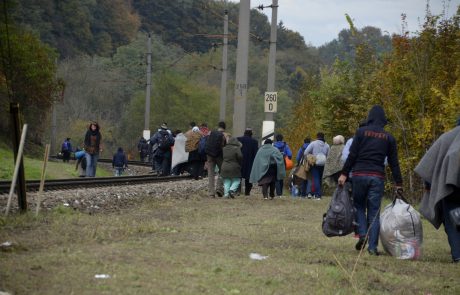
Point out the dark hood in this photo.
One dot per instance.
(377, 116)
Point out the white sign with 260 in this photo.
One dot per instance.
(271, 102)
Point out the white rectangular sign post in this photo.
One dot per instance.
(268, 130)
(146, 134)
(271, 102)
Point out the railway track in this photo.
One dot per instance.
(74, 183)
(134, 163)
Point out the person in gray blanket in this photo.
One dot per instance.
(440, 169)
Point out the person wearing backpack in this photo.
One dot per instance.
(119, 162)
(143, 149)
(66, 149)
(320, 149)
(305, 185)
(214, 143)
(283, 147)
(161, 143)
(366, 161)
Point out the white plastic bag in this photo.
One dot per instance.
(401, 230)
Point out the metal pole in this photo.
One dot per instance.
(272, 55)
(223, 84)
(241, 74)
(148, 87)
(21, 189)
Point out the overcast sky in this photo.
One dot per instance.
(320, 21)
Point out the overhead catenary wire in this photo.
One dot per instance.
(258, 38)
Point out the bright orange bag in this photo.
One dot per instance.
(288, 163)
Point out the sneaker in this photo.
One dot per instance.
(361, 243)
(317, 198)
(219, 194)
(456, 261)
(265, 198)
(231, 194)
(309, 196)
(373, 252)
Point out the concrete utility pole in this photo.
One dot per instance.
(241, 74)
(272, 55)
(146, 132)
(223, 84)
(270, 100)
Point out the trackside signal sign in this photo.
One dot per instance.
(271, 102)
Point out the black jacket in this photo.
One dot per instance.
(119, 159)
(371, 144)
(249, 150)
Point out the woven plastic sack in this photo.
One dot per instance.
(401, 230)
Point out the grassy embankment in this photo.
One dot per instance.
(33, 167)
(202, 246)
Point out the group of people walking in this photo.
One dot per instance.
(231, 161)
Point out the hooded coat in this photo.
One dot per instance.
(232, 158)
(440, 166)
(266, 156)
(371, 144)
(249, 151)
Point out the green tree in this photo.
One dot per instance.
(27, 75)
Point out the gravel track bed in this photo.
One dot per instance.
(111, 198)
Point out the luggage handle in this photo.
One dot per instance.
(399, 195)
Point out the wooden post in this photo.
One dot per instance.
(21, 181)
(42, 178)
(16, 168)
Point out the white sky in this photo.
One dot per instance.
(320, 21)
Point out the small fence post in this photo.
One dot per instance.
(21, 184)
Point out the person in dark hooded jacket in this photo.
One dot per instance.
(119, 162)
(249, 151)
(371, 144)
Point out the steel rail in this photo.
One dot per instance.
(134, 163)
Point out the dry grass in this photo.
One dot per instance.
(200, 245)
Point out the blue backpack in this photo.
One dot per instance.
(202, 145)
(65, 146)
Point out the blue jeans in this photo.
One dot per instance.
(91, 163)
(279, 187)
(453, 235)
(367, 196)
(305, 188)
(316, 175)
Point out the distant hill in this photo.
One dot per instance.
(99, 27)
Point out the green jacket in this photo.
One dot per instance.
(266, 155)
(232, 159)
